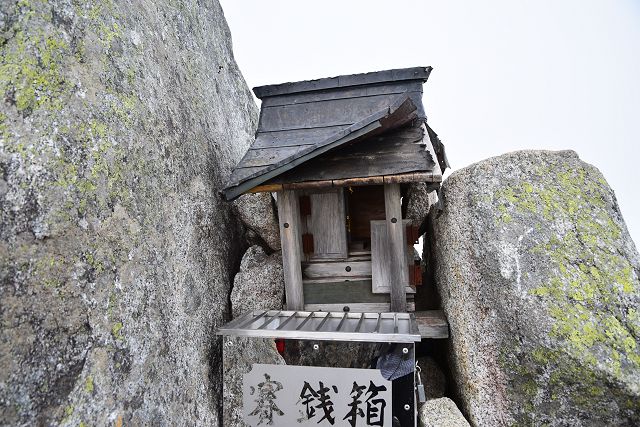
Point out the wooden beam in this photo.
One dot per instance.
(266, 188)
(395, 231)
(347, 182)
(407, 177)
(369, 180)
(291, 239)
(337, 269)
(432, 324)
(355, 307)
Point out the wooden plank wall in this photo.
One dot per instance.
(291, 239)
(396, 235)
(328, 224)
(341, 292)
(382, 257)
(337, 269)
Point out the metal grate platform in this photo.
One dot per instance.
(328, 326)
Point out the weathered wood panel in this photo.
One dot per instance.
(240, 173)
(327, 224)
(359, 252)
(398, 113)
(350, 258)
(290, 237)
(390, 88)
(336, 269)
(357, 307)
(268, 156)
(349, 182)
(399, 275)
(334, 112)
(432, 324)
(376, 77)
(382, 257)
(339, 292)
(320, 280)
(295, 137)
(320, 115)
(399, 151)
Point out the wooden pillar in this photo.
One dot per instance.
(290, 237)
(395, 233)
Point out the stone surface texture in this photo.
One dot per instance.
(119, 123)
(433, 379)
(539, 281)
(257, 213)
(239, 355)
(259, 284)
(419, 202)
(441, 412)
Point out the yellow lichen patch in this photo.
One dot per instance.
(88, 384)
(30, 69)
(116, 330)
(4, 129)
(587, 294)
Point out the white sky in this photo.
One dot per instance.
(508, 75)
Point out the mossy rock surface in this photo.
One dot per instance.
(539, 279)
(119, 123)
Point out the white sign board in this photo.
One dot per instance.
(285, 395)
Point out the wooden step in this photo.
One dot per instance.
(345, 281)
(356, 291)
(432, 324)
(357, 307)
(349, 259)
(359, 252)
(315, 270)
(335, 279)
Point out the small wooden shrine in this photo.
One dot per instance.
(338, 153)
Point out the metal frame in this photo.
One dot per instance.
(325, 326)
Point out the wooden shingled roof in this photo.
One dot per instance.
(362, 125)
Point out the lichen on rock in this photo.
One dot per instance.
(539, 280)
(118, 126)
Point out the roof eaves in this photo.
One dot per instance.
(414, 73)
(397, 114)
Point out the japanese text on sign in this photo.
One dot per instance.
(281, 395)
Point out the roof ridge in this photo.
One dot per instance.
(375, 77)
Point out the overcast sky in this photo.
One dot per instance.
(508, 75)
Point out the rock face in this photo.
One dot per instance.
(259, 284)
(441, 412)
(257, 213)
(433, 379)
(239, 355)
(119, 123)
(539, 280)
(420, 200)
